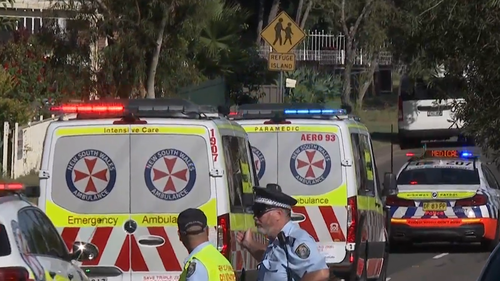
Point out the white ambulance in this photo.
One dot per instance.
(324, 159)
(118, 174)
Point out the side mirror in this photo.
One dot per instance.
(32, 191)
(83, 251)
(390, 186)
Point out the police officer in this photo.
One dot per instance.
(205, 262)
(292, 253)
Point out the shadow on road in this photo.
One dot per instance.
(384, 137)
(438, 248)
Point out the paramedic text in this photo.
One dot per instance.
(277, 129)
(95, 221)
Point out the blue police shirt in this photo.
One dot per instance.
(196, 270)
(303, 256)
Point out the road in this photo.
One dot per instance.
(429, 262)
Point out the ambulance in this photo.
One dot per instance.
(324, 159)
(118, 174)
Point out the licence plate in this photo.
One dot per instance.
(434, 113)
(98, 279)
(434, 206)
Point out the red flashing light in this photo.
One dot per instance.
(11, 186)
(87, 108)
(233, 113)
(410, 154)
(413, 182)
(14, 273)
(352, 219)
(223, 235)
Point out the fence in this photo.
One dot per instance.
(327, 48)
(23, 146)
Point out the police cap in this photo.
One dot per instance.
(189, 218)
(272, 197)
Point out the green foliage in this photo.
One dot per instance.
(11, 109)
(313, 87)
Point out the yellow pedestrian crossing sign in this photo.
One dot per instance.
(283, 34)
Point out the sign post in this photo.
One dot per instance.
(282, 34)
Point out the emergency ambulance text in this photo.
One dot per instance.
(156, 220)
(94, 221)
(318, 137)
(277, 129)
(313, 201)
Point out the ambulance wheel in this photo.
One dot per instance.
(490, 245)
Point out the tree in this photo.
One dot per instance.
(363, 23)
(463, 37)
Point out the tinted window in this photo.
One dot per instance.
(41, 236)
(4, 242)
(239, 172)
(436, 176)
(440, 89)
(363, 163)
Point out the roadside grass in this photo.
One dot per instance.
(378, 114)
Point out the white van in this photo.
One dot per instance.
(324, 159)
(119, 173)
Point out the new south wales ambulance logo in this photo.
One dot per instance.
(91, 175)
(310, 164)
(259, 162)
(170, 174)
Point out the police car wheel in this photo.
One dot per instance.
(490, 245)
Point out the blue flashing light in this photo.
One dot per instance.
(317, 111)
(466, 154)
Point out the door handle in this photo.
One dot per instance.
(52, 274)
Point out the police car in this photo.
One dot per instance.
(119, 174)
(445, 195)
(324, 159)
(31, 249)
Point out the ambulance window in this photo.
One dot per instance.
(363, 163)
(91, 173)
(5, 249)
(254, 169)
(238, 173)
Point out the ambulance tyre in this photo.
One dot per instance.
(490, 245)
(358, 251)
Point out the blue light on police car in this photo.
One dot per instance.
(316, 111)
(466, 154)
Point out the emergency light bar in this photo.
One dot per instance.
(11, 186)
(134, 107)
(444, 154)
(304, 110)
(317, 111)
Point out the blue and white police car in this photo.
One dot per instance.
(445, 195)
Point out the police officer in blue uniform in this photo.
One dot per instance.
(291, 254)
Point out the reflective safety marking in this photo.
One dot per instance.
(121, 129)
(61, 217)
(289, 128)
(436, 195)
(168, 130)
(336, 197)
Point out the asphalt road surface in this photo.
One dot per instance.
(429, 262)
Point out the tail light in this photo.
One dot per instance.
(271, 122)
(14, 274)
(352, 219)
(477, 200)
(394, 200)
(400, 109)
(223, 235)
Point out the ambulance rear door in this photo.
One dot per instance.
(169, 172)
(311, 171)
(88, 192)
(264, 144)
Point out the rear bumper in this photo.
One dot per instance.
(430, 134)
(443, 230)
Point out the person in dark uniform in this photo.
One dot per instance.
(292, 253)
